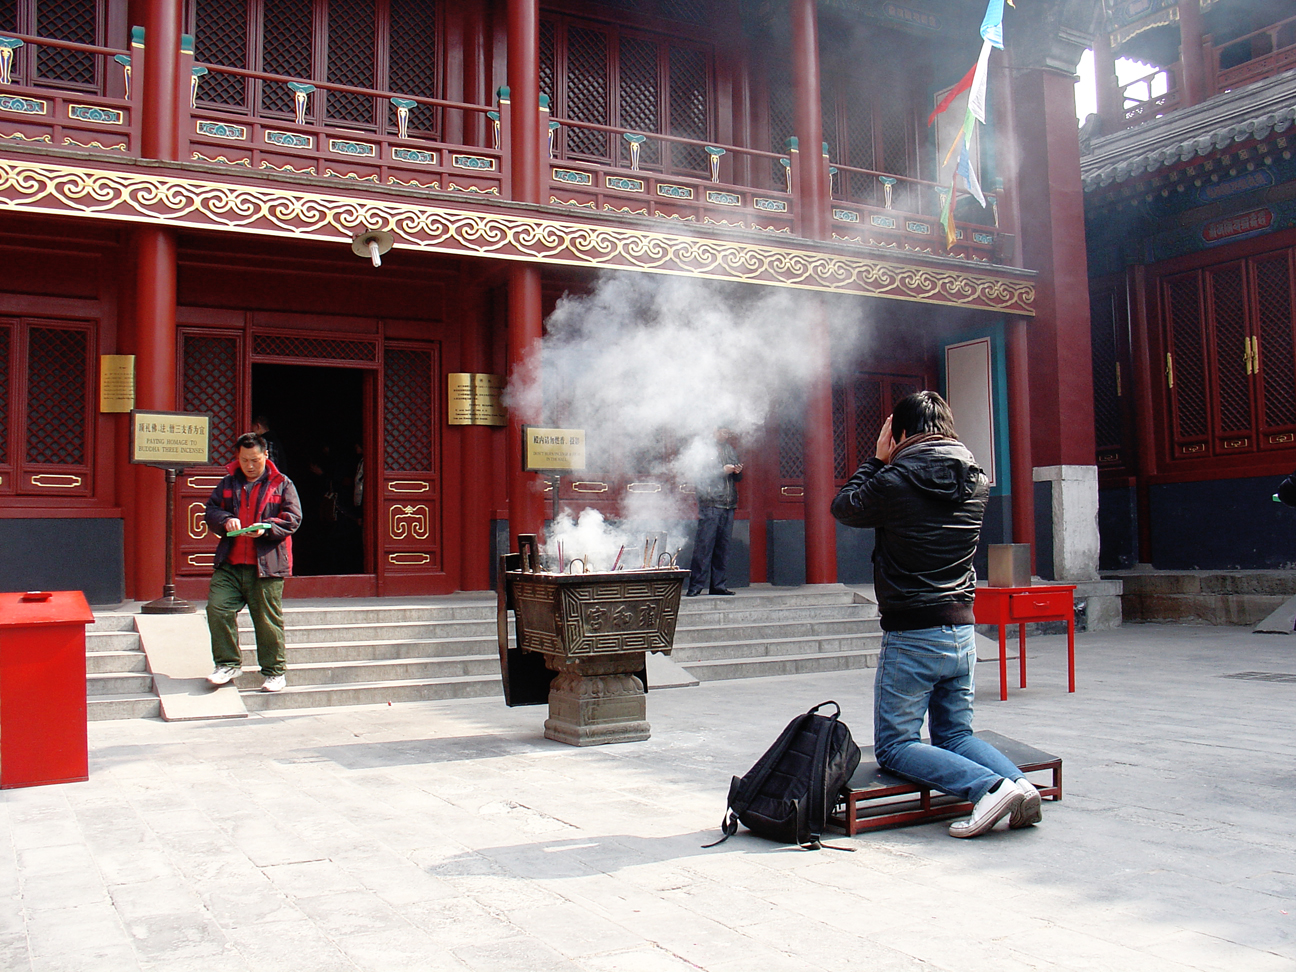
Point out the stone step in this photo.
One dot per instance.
(116, 683)
(102, 708)
(775, 630)
(344, 651)
(110, 662)
(749, 667)
(370, 693)
(112, 641)
(374, 631)
(432, 610)
(743, 614)
(367, 671)
(767, 597)
(111, 622)
(689, 655)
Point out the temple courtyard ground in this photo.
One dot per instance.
(452, 835)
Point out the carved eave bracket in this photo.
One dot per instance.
(172, 195)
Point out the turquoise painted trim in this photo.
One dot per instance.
(999, 375)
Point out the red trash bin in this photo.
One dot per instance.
(43, 688)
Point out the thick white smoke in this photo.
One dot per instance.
(649, 367)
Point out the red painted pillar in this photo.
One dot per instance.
(1111, 107)
(1019, 443)
(524, 94)
(820, 487)
(154, 253)
(525, 329)
(813, 200)
(1190, 53)
(159, 132)
(1051, 207)
(476, 466)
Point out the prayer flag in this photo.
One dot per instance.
(947, 215)
(954, 92)
(977, 97)
(992, 25)
(969, 175)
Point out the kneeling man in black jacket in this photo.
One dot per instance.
(926, 496)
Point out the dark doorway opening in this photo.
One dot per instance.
(316, 418)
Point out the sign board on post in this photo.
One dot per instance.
(170, 440)
(553, 450)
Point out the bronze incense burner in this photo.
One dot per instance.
(592, 632)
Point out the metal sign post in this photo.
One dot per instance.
(170, 441)
(552, 452)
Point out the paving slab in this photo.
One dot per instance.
(452, 835)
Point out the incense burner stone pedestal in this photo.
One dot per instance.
(594, 631)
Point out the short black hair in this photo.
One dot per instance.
(250, 440)
(924, 411)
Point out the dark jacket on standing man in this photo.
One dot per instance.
(926, 504)
(720, 489)
(274, 498)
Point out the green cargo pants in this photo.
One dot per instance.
(232, 587)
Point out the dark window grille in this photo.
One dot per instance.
(791, 450)
(902, 389)
(407, 410)
(587, 90)
(548, 74)
(689, 116)
(351, 59)
(1228, 310)
(220, 37)
(688, 11)
(287, 35)
(69, 20)
(839, 432)
(782, 120)
(1274, 327)
(211, 370)
(6, 342)
(413, 66)
(640, 96)
(1106, 392)
(868, 417)
(1188, 361)
(894, 127)
(57, 359)
(292, 346)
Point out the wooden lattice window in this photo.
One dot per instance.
(46, 432)
(384, 45)
(211, 384)
(1230, 357)
(407, 411)
(81, 21)
(610, 75)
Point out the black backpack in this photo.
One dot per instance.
(788, 795)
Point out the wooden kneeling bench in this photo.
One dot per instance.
(874, 799)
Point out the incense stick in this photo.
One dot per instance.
(618, 557)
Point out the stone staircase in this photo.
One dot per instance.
(764, 630)
(118, 683)
(343, 652)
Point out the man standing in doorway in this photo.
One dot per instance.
(251, 566)
(717, 497)
(926, 496)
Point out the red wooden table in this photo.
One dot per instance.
(1002, 606)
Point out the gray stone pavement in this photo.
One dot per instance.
(451, 835)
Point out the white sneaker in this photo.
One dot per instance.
(223, 674)
(273, 683)
(1001, 800)
(1029, 811)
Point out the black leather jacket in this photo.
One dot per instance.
(927, 507)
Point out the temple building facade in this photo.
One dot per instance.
(189, 188)
(1189, 181)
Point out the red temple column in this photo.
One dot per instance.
(1190, 53)
(813, 201)
(1111, 107)
(525, 330)
(154, 255)
(524, 94)
(820, 485)
(476, 463)
(159, 130)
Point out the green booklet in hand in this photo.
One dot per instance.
(249, 529)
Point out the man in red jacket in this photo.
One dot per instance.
(251, 567)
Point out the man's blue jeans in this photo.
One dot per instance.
(928, 672)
